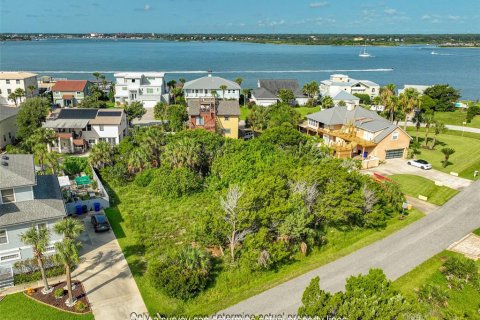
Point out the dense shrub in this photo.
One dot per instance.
(182, 274)
(175, 183)
(37, 275)
(144, 178)
(75, 165)
(460, 271)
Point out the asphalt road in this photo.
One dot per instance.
(396, 254)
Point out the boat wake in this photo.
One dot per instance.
(224, 72)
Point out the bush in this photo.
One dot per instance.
(175, 183)
(144, 178)
(80, 306)
(181, 275)
(75, 165)
(37, 275)
(460, 271)
(58, 293)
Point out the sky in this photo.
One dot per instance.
(240, 16)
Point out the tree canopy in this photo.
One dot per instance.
(31, 115)
(444, 96)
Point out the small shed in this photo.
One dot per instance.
(64, 182)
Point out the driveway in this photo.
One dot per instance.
(107, 279)
(400, 166)
(396, 254)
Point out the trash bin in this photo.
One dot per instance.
(78, 209)
(96, 206)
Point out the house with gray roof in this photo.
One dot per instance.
(8, 125)
(209, 86)
(347, 98)
(26, 200)
(267, 91)
(341, 82)
(352, 131)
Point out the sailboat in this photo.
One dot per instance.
(364, 53)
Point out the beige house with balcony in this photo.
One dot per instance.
(355, 132)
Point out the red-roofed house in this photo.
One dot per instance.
(69, 93)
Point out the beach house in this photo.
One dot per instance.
(149, 88)
(26, 200)
(267, 92)
(211, 86)
(11, 81)
(70, 93)
(357, 132)
(342, 82)
(8, 125)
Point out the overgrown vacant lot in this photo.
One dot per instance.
(444, 303)
(206, 222)
(464, 161)
(18, 306)
(414, 186)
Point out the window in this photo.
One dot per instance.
(17, 81)
(79, 92)
(227, 131)
(150, 90)
(373, 89)
(91, 141)
(7, 81)
(50, 249)
(89, 127)
(0, 91)
(395, 135)
(102, 128)
(9, 91)
(8, 196)
(3, 237)
(124, 88)
(10, 256)
(199, 121)
(133, 80)
(226, 118)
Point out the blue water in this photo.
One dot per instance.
(77, 59)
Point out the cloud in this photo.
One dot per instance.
(147, 7)
(270, 23)
(390, 11)
(319, 4)
(436, 18)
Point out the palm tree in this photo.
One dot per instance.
(439, 128)
(223, 88)
(386, 95)
(38, 239)
(96, 74)
(171, 84)
(12, 96)
(153, 141)
(175, 93)
(19, 92)
(194, 259)
(138, 160)
(418, 120)
(101, 155)
(184, 153)
(239, 81)
(31, 89)
(447, 152)
(51, 159)
(327, 102)
(40, 151)
(245, 92)
(182, 81)
(67, 254)
(214, 93)
(428, 120)
(70, 228)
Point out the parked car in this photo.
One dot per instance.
(100, 222)
(422, 164)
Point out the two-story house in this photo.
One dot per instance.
(26, 200)
(357, 132)
(267, 92)
(78, 129)
(11, 81)
(8, 125)
(342, 82)
(149, 88)
(221, 116)
(69, 93)
(210, 86)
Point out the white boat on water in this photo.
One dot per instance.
(434, 52)
(364, 53)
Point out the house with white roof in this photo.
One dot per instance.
(149, 88)
(267, 92)
(342, 82)
(209, 86)
(26, 200)
(11, 81)
(353, 131)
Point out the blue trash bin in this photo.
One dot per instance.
(78, 209)
(96, 206)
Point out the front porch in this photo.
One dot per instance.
(68, 142)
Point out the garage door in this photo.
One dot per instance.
(149, 104)
(394, 154)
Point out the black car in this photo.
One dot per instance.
(100, 222)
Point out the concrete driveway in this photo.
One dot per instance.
(109, 284)
(400, 166)
(396, 254)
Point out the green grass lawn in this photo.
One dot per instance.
(414, 186)
(230, 286)
(457, 118)
(464, 161)
(18, 306)
(465, 300)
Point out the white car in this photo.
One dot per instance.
(422, 164)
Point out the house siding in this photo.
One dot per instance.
(231, 124)
(402, 142)
(8, 130)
